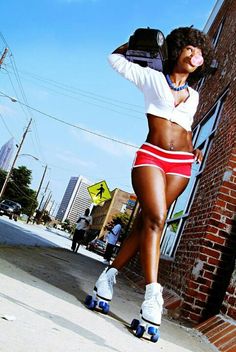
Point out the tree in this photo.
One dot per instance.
(18, 188)
(67, 226)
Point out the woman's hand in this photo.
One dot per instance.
(198, 155)
(122, 49)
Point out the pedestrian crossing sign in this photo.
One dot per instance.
(99, 192)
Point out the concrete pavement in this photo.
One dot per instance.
(44, 289)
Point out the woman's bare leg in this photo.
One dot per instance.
(167, 189)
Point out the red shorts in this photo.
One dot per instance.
(170, 162)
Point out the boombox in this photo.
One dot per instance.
(147, 47)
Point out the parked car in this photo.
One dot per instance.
(97, 246)
(10, 208)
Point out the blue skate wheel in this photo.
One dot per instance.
(134, 324)
(90, 303)
(139, 331)
(104, 307)
(88, 299)
(152, 330)
(155, 338)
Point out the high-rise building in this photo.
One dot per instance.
(6, 153)
(75, 200)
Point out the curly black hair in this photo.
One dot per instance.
(182, 37)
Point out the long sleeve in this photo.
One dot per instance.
(129, 70)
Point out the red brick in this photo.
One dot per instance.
(194, 317)
(216, 216)
(212, 229)
(231, 207)
(221, 203)
(233, 194)
(213, 333)
(211, 252)
(226, 198)
(232, 313)
(193, 284)
(208, 322)
(208, 275)
(231, 349)
(231, 332)
(224, 190)
(213, 261)
(212, 325)
(213, 238)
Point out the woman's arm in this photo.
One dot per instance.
(130, 70)
(197, 152)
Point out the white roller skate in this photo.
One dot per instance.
(150, 313)
(103, 291)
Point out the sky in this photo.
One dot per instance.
(57, 65)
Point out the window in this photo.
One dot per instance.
(200, 83)
(217, 34)
(179, 211)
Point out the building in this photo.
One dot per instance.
(102, 215)
(199, 239)
(75, 200)
(6, 153)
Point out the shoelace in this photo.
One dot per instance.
(151, 303)
(112, 280)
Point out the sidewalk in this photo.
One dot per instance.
(44, 289)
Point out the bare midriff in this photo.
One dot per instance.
(168, 135)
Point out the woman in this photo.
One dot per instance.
(162, 166)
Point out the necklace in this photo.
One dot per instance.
(172, 86)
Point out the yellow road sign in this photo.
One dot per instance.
(99, 192)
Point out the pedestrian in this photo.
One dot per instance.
(162, 166)
(112, 237)
(82, 226)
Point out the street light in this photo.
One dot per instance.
(34, 157)
(14, 161)
(13, 99)
(18, 150)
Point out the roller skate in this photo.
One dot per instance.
(150, 313)
(103, 291)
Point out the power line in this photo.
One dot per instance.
(78, 90)
(20, 86)
(6, 126)
(73, 125)
(101, 100)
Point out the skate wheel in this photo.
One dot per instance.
(139, 331)
(155, 338)
(134, 324)
(104, 307)
(90, 303)
(152, 330)
(88, 299)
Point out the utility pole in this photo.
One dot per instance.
(41, 182)
(41, 202)
(50, 210)
(3, 56)
(47, 201)
(36, 196)
(14, 161)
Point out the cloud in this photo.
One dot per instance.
(108, 146)
(4, 109)
(70, 158)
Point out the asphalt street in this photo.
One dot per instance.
(42, 290)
